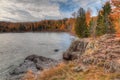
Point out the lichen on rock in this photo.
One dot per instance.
(102, 52)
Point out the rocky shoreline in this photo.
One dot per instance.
(34, 63)
(102, 52)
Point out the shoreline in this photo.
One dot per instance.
(22, 45)
(84, 53)
(99, 58)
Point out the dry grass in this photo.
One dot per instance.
(66, 72)
(29, 76)
(57, 73)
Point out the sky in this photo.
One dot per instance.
(36, 10)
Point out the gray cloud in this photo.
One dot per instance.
(28, 10)
(35, 10)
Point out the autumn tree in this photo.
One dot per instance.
(62, 27)
(88, 16)
(115, 15)
(81, 27)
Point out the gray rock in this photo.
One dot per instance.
(24, 67)
(76, 49)
(56, 50)
(32, 62)
(81, 68)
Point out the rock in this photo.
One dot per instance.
(33, 62)
(15, 77)
(56, 50)
(76, 49)
(36, 58)
(24, 67)
(81, 68)
(70, 56)
(103, 52)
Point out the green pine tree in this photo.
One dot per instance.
(81, 28)
(108, 23)
(101, 28)
(104, 25)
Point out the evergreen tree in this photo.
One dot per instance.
(92, 27)
(108, 24)
(101, 28)
(21, 27)
(104, 24)
(81, 28)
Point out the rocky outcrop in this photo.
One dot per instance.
(76, 49)
(106, 53)
(33, 62)
(103, 52)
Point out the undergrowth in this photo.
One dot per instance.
(66, 72)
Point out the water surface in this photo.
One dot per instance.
(14, 47)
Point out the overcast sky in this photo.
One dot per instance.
(36, 10)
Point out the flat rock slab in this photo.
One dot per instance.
(33, 62)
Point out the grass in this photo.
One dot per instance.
(65, 72)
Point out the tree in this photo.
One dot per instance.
(116, 3)
(106, 12)
(88, 16)
(81, 27)
(92, 27)
(115, 15)
(21, 27)
(104, 24)
(74, 14)
(100, 29)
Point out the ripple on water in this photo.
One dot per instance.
(14, 47)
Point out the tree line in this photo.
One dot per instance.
(105, 22)
(44, 25)
(82, 24)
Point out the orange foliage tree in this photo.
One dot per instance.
(115, 15)
(88, 16)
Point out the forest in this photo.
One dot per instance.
(44, 25)
(107, 21)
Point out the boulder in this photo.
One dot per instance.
(24, 67)
(56, 50)
(76, 49)
(33, 62)
(71, 55)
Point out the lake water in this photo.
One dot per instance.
(14, 47)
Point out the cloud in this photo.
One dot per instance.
(28, 10)
(35, 10)
(94, 5)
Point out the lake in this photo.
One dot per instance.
(14, 47)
